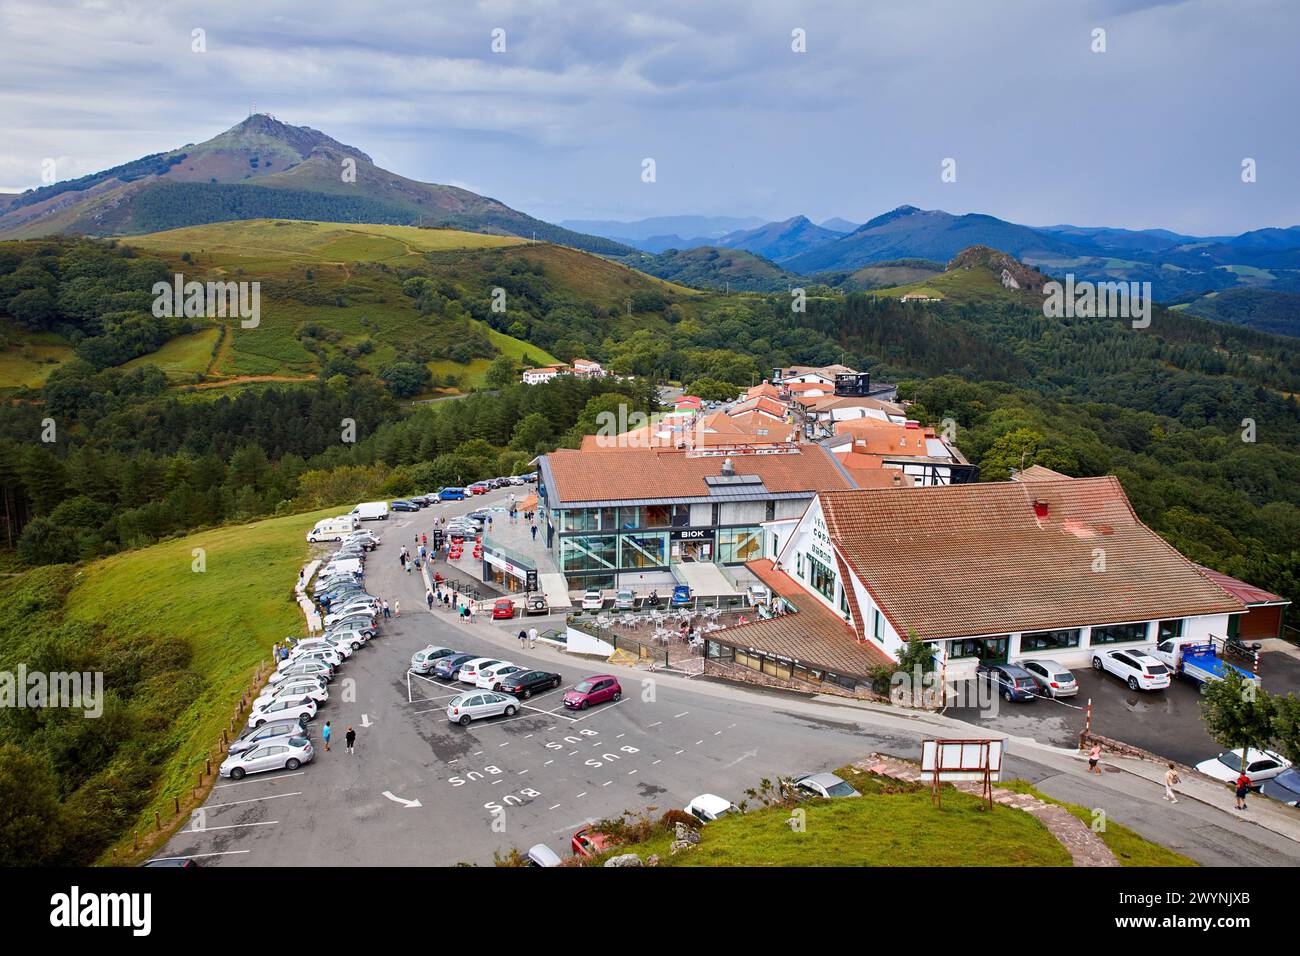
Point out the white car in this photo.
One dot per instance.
(489, 677)
(298, 687)
(288, 753)
(303, 669)
(348, 610)
(1261, 765)
(707, 807)
(592, 601)
(323, 655)
(1139, 670)
(342, 636)
(476, 704)
(757, 594)
(343, 649)
(468, 673)
(1053, 678)
(282, 707)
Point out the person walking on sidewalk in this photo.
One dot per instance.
(1094, 757)
(1243, 788)
(350, 738)
(1171, 778)
(532, 638)
(325, 734)
(397, 608)
(428, 598)
(387, 614)
(523, 636)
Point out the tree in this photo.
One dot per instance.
(31, 819)
(1286, 726)
(405, 379)
(502, 372)
(1237, 713)
(44, 542)
(532, 433)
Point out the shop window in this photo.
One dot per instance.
(1119, 633)
(643, 550)
(1050, 640)
(739, 544)
(821, 578)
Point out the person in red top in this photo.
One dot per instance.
(1243, 788)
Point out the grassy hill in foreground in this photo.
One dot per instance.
(177, 646)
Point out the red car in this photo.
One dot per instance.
(503, 609)
(477, 489)
(589, 842)
(593, 690)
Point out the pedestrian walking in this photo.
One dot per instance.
(397, 608)
(350, 738)
(386, 612)
(1094, 757)
(428, 598)
(534, 533)
(402, 560)
(1171, 778)
(325, 734)
(1243, 788)
(532, 638)
(523, 636)
(424, 539)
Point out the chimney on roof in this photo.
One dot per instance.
(1040, 509)
(728, 470)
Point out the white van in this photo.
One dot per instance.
(342, 566)
(371, 511)
(333, 529)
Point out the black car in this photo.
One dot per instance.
(524, 684)
(480, 516)
(1012, 681)
(402, 505)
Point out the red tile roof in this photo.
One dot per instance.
(967, 560)
(1247, 593)
(617, 474)
(813, 635)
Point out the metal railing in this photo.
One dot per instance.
(645, 652)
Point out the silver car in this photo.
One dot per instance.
(304, 669)
(287, 753)
(1053, 678)
(258, 735)
(279, 707)
(480, 704)
(347, 637)
(822, 785)
(422, 661)
(298, 687)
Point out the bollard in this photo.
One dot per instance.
(157, 820)
(208, 763)
(200, 783)
(135, 840)
(178, 805)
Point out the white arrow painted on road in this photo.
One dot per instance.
(405, 803)
(365, 720)
(747, 753)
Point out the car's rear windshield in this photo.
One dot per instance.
(1157, 669)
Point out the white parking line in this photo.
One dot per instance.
(197, 856)
(233, 826)
(583, 794)
(240, 783)
(556, 807)
(274, 796)
(682, 714)
(655, 724)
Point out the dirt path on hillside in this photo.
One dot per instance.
(246, 379)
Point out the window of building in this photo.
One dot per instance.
(1050, 640)
(643, 550)
(681, 516)
(630, 517)
(771, 511)
(588, 552)
(656, 516)
(992, 649)
(1119, 633)
(877, 625)
(821, 578)
(1171, 628)
(739, 544)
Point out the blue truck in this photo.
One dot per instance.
(1201, 661)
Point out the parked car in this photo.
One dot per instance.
(517, 480)
(1012, 681)
(184, 862)
(451, 494)
(478, 515)
(402, 504)
(822, 785)
(478, 488)
(342, 649)
(479, 704)
(536, 604)
(1140, 671)
(355, 622)
(1284, 788)
(303, 669)
(1261, 765)
(288, 753)
(589, 841)
(303, 687)
(448, 667)
(503, 609)
(593, 690)
(592, 600)
(352, 637)
(531, 478)
(681, 596)
(490, 678)
(468, 672)
(253, 736)
(543, 855)
(525, 683)
(1054, 680)
(625, 599)
(707, 807)
(326, 655)
(279, 707)
(423, 661)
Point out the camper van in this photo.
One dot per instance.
(371, 511)
(333, 529)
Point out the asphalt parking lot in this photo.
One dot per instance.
(422, 791)
(1165, 722)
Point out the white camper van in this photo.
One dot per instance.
(333, 529)
(371, 511)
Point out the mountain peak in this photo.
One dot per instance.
(262, 131)
(1010, 271)
(901, 212)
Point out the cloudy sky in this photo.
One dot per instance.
(1150, 133)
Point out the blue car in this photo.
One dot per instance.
(1284, 788)
(681, 596)
(1012, 681)
(452, 494)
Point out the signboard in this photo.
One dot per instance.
(692, 534)
(439, 539)
(530, 580)
(962, 759)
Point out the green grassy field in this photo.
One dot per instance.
(231, 614)
(184, 356)
(29, 357)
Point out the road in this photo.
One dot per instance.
(537, 777)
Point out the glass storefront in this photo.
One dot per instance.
(1119, 633)
(737, 545)
(588, 552)
(643, 550)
